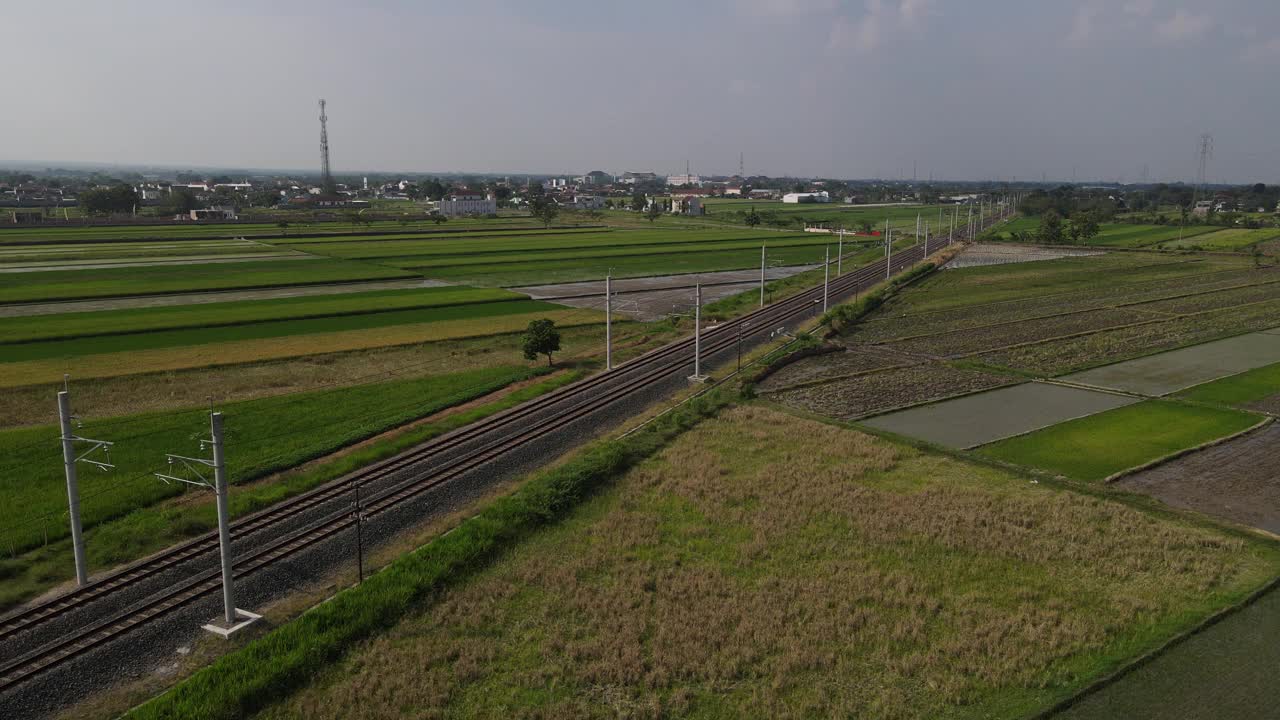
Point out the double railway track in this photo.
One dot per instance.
(454, 455)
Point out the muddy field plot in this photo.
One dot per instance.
(986, 417)
(1178, 369)
(982, 254)
(855, 397)
(857, 359)
(1238, 480)
(969, 341)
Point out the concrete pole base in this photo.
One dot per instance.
(699, 378)
(245, 617)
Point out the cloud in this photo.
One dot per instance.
(1183, 25)
(785, 8)
(1262, 51)
(1141, 8)
(913, 11)
(1082, 27)
(866, 33)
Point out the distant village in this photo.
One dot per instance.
(57, 195)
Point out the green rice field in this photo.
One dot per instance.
(1246, 387)
(1097, 446)
(264, 436)
(154, 319)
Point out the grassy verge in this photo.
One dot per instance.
(1094, 447)
(268, 668)
(763, 565)
(148, 530)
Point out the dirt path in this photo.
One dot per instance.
(215, 296)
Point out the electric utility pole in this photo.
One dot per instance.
(697, 334)
(608, 322)
(762, 276)
(235, 618)
(826, 276)
(357, 513)
(888, 253)
(69, 460)
(926, 239)
(840, 254)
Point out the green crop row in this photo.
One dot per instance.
(115, 282)
(150, 340)
(153, 319)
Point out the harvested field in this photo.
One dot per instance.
(1237, 480)
(856, 360)
(1178, 369)
(985, 417)
(1098, 446)
(1214, 300)
(968, 341)
(767, 566)
(982, 254)
(890, 324)
(1108, 346)
(874, 392)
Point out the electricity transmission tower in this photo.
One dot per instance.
(1206, 151)
(326, 176)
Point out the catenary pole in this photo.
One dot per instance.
(608, 322)
(826, 277)
(840, 254)
(762, 276)
(697, 331)
(73, 488)
(224, 522)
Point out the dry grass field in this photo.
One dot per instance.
(769, 566)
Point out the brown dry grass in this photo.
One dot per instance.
(768, 566)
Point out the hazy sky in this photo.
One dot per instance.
(963, 88)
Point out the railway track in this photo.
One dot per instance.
(495, 435)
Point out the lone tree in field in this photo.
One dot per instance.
(541, 338)
(653, 213)
(638, 201)
(753, 217)
(543, 208)
(1050, 232)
